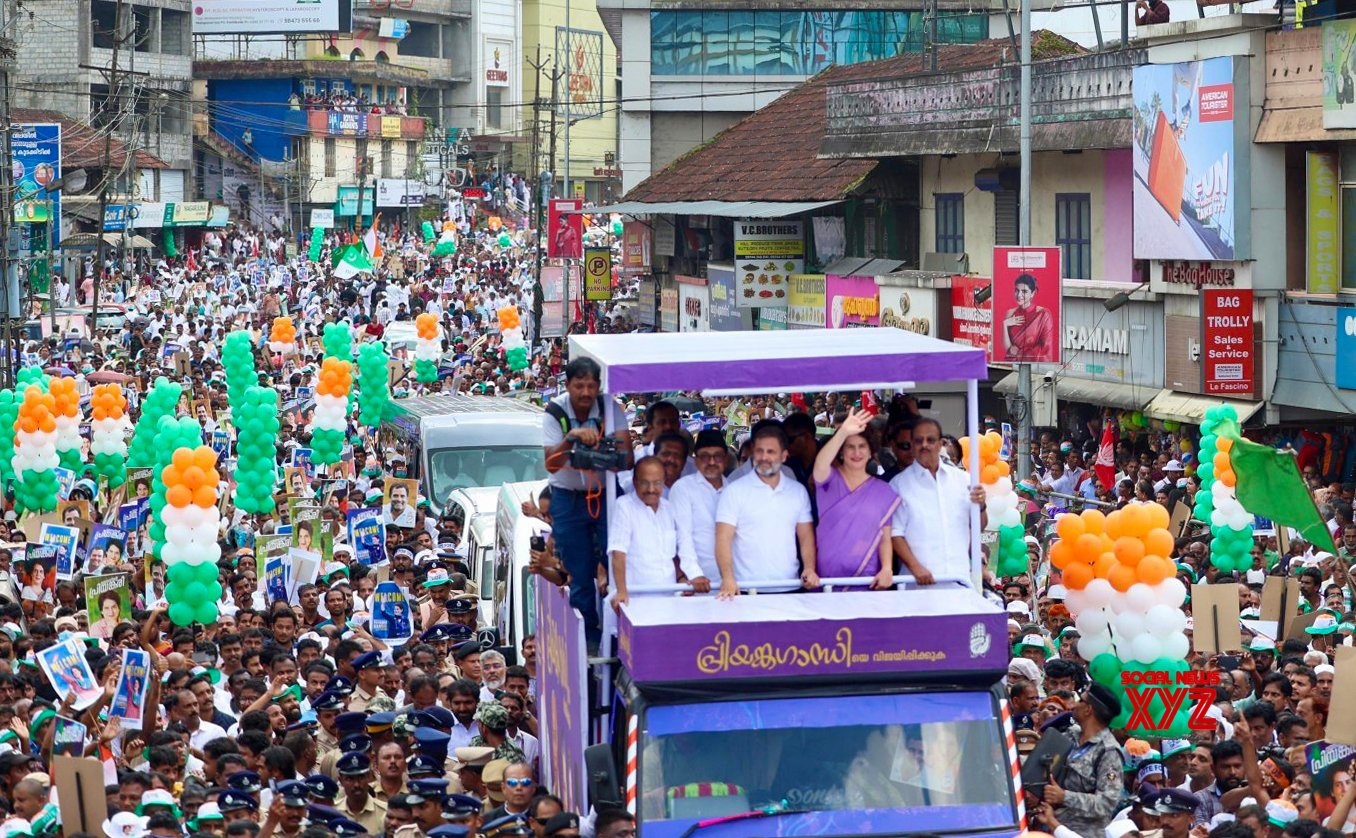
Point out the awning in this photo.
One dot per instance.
(1185, 407)
(725, 209)
(1297, 125)
(1105, 393)
(87, 241)
(1314, 396)
(857, 266)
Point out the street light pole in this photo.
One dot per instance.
(1024, 235)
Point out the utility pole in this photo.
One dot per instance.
(534, 205)
(9, 276)
(1024, 235)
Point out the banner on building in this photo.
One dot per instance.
(580, 53)
(851, 301)
(1186, 164)
(1227, 342)
(805, 301)
(1323, 223)
(1339, 83)
(1027, 302)
(972, 312)
(636, 248)
(35, 150)
(564, 230)
(398, 192)
(766, 253)
(1345, 349)
(271, 17)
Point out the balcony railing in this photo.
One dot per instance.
(330, 123)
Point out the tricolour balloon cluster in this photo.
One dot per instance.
(256, 448)
(428, 347)
(108, 433)
(511, 330)
(447, 241)
(329, 422)
(1217, 501)
(237, 357)
(35, 454)
(172, 435)
(67, 409)
(1000, 504)
(191, 524)
(1124, 596)
(159, 403)
(427, 229)
(31, 375)
(282, 338)
(505, 240)
(337, 340)
(374, 388)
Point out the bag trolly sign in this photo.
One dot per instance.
(1227, 342)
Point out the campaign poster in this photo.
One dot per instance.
(1330, 764)
(65, 666)
(64, 539)
(37, 578)
(296, 483)
(301, 458)
(129, 696)
(68, 737)
(276, 577)
(129, 521)
(304, 570)
(268, 547)
(367, 536)
(107, 548)
(140, 480)
(1186, 160)
(36, 158)
(1026, 305)
(108, 597)
(397, 503)
(221, 443)
(65, 481)
(392, 620)
(71, 511)
(565, 230)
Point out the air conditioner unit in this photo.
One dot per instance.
(951, 263)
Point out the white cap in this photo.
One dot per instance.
(1121, 828)
(1173, 465)
(125, 825)
(1325, 669)
(1057, 592)
(1019, 607)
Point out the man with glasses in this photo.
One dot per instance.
(900, 436)
(643, 537)
(694, 498)
(932, 521)
(519, 787)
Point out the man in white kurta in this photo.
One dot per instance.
(931, 529)
(642, 537)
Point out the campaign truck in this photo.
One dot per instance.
(843, 713)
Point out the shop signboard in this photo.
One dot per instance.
(399, 192)
(322, 218)
(1323, 224)
(347, 205)
(1176, 276)
(636, 246)
(910, 309)
(771, 319)
(723, 315)
(1124, 346)
(972, 312)
(668, 309)
(851, 301)
(647, 295)
(190, 214)
(1191, 150)
(1026, 302)
(767, 252)
(1345, 362)
(343, 124)
(694, 303)
(805, 301)
(1227, 342)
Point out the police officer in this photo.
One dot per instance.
(1175, 809)
(355, 775)
(426, 804)
(1092, 786)
(327, 707)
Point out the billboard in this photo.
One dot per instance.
(1345, 346)
(851, 301)
(805, 301)
(1026, 300)
(397, 192)
(1322, 223)
(565, 230)
(766, 253)
(1339, 74)
(36, 152)
(262, 17)
(1227, 342)
(972, 312)
(723, 314)
(580, 53)
(1186, 159)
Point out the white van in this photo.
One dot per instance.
(473, 512)
(513, 584)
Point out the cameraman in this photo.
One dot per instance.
(575, 422)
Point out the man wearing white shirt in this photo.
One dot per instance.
(694, 500)
(761, 518)
(642, 537)
(934, 518)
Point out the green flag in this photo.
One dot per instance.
(350, 261)
(1269, 484)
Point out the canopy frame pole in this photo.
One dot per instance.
(972, 430)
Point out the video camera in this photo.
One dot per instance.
(603, 456)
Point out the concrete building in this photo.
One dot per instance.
(58, 41)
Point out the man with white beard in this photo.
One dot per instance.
(493, 672)
(762, 518)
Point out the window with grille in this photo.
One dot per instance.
(1073, 234)
(950, 222)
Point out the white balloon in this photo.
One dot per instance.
(1077, 602)
(1176, 646)
(1140, 597)
(1090, 646)
(177, 533)
(1099, 593)
(1092, 621)
(1146, 648)
(1162, 621)
(1128, 624)
(1171, 592)
(1124, 651)
(1011, 518)
(172, 553)
(213, 552)
(1217, 518)
(1000, 487)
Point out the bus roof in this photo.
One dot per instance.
(771, 362)
(868, 634)
(445, 404)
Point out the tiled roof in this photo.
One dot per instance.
(82, 145)
(773, 154)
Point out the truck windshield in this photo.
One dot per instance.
(465, 468)
(862, 765)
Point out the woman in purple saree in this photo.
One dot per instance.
(853, 536)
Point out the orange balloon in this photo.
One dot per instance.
(988, 474)
(205, 496)
(1129, 550)
(183, 458)
(204, 458)
(1069, 526)
(1087, 548)
(1227, 477)
(1115, 524)
(1122, 577)
(1104, 564)
(1159, 542)
(1159, 519)
(1224, 443)
(1061, 554)
(1221, 460)
(1153, 569)
(213, 477)
(48, 425)
(1094, 521)
(1077, 576)
(1003, 468)
(1134, 520)
(28, 425)
(170, 475)
(178, 496)
(193, 477)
